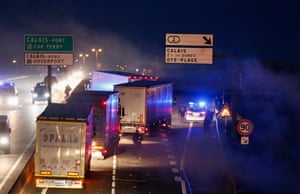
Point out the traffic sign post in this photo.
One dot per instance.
(186, 55)
(37, 58)
(189, 48)
(245, 127)
(48, 43)
(189, 39)
(48, 50)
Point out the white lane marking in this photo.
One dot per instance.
(44, 191)
(9, 174)
(113, 184)
(186, 146)
(175, 170)
(172, 162)
(182, 182)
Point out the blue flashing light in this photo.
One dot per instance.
(191, 103)
(7, 84)
(202, 104)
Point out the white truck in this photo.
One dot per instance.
(63, 144)
(65, 135)
(145, 106)
(105, 80)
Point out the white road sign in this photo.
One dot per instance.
(187, 55)
(189, 39)
(40, 58)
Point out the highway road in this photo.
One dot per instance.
(180, 161)
(22, 118)
(175, 162)
(22, 123)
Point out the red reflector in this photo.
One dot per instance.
(77, 182)
(77, 162)
(40, 181)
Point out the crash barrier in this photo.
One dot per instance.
(25, 177)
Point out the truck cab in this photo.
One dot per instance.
(4, 134)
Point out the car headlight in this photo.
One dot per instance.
(12, 101)
(46, 94)
(4, 140)
(34, 95)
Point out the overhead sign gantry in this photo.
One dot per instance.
(48, 49)
(189, 48)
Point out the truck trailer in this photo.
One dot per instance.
(63, 146)
(106, 120)
(145, 106)
(68, 134)
(105, 80)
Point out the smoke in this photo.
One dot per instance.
(272, 104)
(117, 48)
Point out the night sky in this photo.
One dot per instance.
(263, 29)
(133, 33)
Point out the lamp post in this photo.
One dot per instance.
(83, 56)
(96, 51)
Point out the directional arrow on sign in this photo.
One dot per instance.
(207, 40)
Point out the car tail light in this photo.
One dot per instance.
(164, 124)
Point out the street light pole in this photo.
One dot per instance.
(83, 56)
(96, 51)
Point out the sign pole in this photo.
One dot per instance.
(49, 83)
(234, 96)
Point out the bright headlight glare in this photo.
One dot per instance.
(3, 140)
(13, 101)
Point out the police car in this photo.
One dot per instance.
(8, 94)
(195, 111)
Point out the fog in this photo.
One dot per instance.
(271, 101)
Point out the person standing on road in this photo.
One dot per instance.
(67, 90)
(181, 112)
(208, 118)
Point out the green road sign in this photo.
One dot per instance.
(48, 43)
